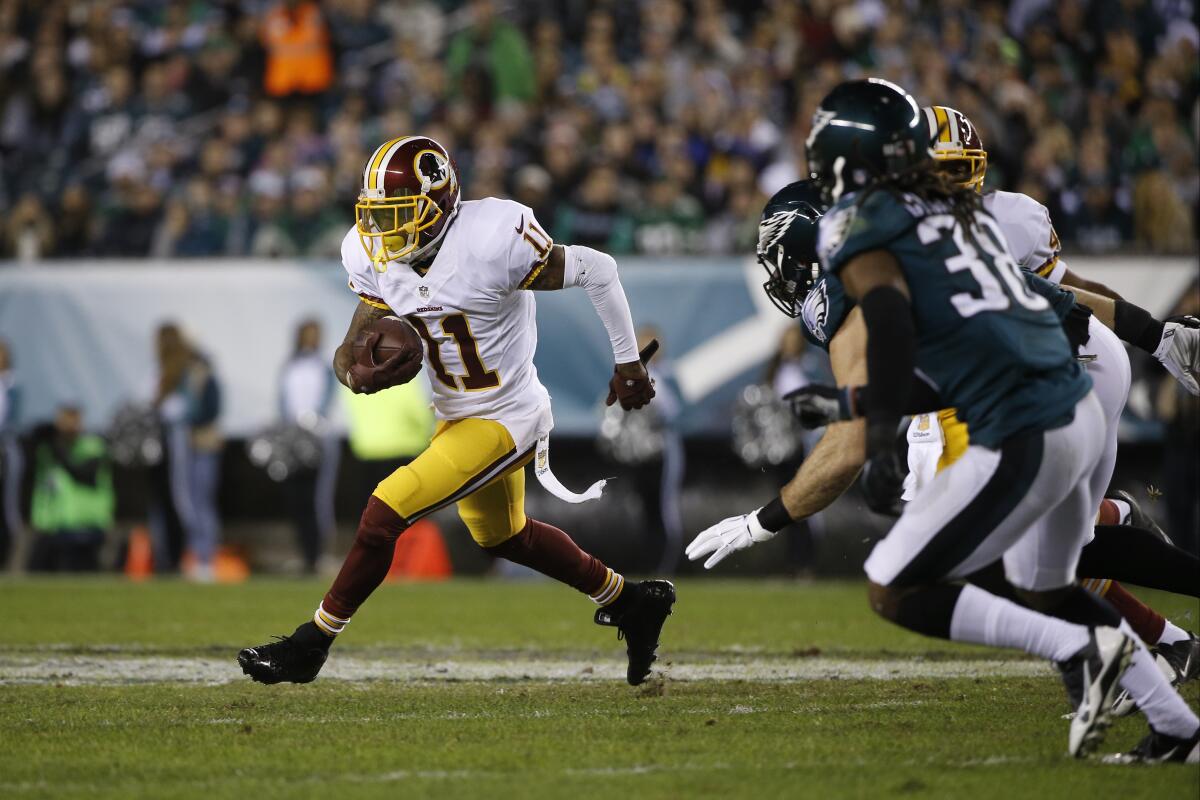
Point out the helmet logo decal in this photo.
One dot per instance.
(820, 121)
(432, 168)
(815, 311)
(772, 229)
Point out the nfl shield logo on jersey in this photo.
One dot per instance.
(423, 291)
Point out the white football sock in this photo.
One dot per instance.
(1171, 634)
(1153, 693)
(1123, 509)
(982, 618)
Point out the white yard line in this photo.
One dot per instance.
(116, 669)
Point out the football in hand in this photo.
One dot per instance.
(397, 336)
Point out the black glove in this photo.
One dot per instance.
(816, 405)
(883, 474)
(1075, 326)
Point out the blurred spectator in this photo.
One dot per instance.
(193, 225)
(12, 459)
(489, 60)
(188, 399)
(73, 497)
(597, 219)
(1090, 107)
(27, 233)
(669, 221)
(299, 58)
(305, 396)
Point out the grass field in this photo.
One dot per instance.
(478, 689)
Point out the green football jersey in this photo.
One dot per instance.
(993, 347)
(826, 306)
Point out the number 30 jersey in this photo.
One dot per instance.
(478, 326)
(994, 348)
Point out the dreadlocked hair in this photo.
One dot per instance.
(931, 185)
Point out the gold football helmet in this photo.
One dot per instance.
(955, 141)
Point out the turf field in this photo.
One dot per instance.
(489, 689)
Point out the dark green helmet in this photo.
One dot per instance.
(863, 131)
(787, 244)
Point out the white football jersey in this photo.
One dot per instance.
(1031, 237)
(478, 325)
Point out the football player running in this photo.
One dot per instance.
(1033, 242)
(1138, 552)
(462, 273)
(922, 260)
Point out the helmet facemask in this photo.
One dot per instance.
(787, 251)
(967, 167)
(390, 228)
(788, 282)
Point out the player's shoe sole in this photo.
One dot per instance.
(1101, 665)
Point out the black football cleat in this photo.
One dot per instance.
(1137, 517)
(639, 623)
(1092, 677)
(1158, 748)
(1183, 657)
(292, 659)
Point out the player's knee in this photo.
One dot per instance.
(379, 525)
(884, 600)
(492, 536)
(925, 609)
(508, 543)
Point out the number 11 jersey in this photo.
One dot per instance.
(469, 307)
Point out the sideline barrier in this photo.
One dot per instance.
(82, 332)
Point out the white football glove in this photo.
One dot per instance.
(1179, 351)
(726, 537)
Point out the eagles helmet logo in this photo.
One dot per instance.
(815, 311)
(772, 229)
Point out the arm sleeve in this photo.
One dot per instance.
(891, 354)
(596, 274)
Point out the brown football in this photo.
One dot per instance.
(397, 337)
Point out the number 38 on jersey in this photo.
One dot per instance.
(998, 276)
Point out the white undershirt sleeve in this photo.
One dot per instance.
(596, 274)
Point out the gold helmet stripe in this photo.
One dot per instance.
(375, 161)
(945, 134)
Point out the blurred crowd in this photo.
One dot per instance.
(194, 129)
